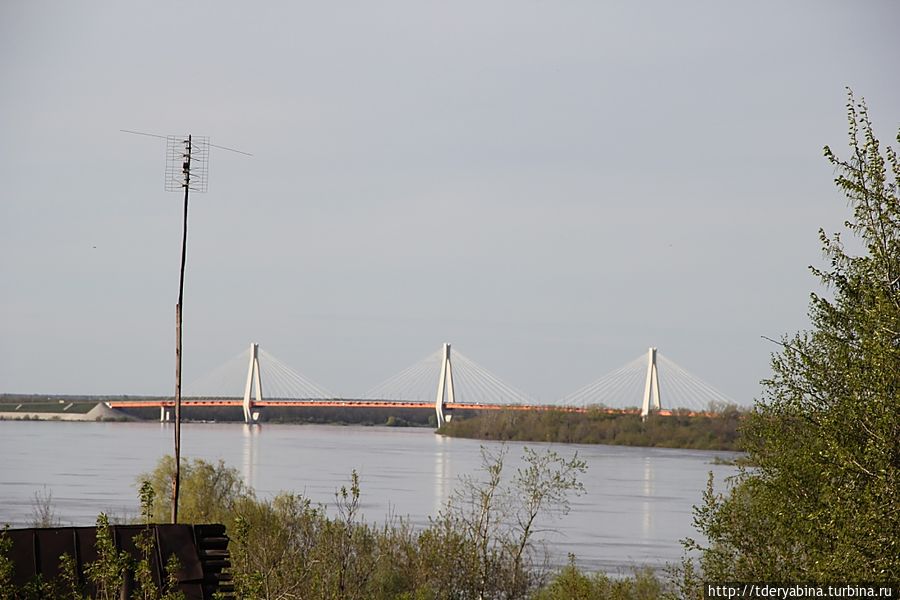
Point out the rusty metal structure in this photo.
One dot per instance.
(201, 550)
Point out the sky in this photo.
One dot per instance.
(551, 187)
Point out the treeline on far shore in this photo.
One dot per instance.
(682, 429)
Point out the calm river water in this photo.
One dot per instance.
(636, 508)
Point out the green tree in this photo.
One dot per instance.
(485, 537)
(821, 504)
(144, 583)
(543, 486)
(107, 573)
(7, 569)
(573, 584)
(210, 493)
(272, 543)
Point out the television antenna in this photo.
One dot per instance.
(187, 169)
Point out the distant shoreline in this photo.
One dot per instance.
(82, 411)
(680, 430)
(690, 431)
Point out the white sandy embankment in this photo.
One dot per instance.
(101, 412)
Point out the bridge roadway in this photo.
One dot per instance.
(369, 404)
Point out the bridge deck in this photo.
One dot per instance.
(366, 404)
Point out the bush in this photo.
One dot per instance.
(821, 502)
(480, 546)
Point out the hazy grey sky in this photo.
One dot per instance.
(551, 186)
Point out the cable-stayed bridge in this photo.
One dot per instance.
(443, 381)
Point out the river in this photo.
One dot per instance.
(636, 508)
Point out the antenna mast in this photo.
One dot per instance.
(187, 168)
(184, 151)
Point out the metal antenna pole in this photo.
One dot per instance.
(183, 155)
(176, 484)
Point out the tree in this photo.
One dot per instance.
(485, 537)
(210, 492)
(821, 503)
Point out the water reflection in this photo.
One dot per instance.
(441, 471)
(646, 505)
(250, 435)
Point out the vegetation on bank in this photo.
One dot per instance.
(820, 503)
(481, 545)
(716, 431)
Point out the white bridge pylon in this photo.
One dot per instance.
(651, 386)
(282, 383)
(649, 382)
(445, 389)
(253, 375)
(461, 383)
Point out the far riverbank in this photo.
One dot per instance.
(681, 429)
(719, 431)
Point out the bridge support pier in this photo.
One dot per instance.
(164, 415)
(250, 417)
(650, 399)
(445, 389)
